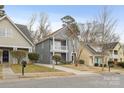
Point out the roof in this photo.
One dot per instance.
(21, 28)
(50, 35)
(110, 45)
(92, 49)
(95, 49)
(25, 30)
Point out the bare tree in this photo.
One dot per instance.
(30, 26)
(106, 31)
(43, 27)
(73, 33)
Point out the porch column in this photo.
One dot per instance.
(66, 45)
(112, 55)
(53, 45)
(14, 48)
(29, 50)
(14, 59)
(93, 60)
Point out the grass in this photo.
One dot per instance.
(83, 67)
(95, 69)
(31, 68)
(0, 71)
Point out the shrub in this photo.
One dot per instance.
(96, 64)
(111, 63)
(68, 62)
(56, 58)
(33, 56)
(81, 61)
(62, 62)
(65, 62)
(104, 65)
(121, 64)
(19, 55)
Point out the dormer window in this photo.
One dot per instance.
(5, 32)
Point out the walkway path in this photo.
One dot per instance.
(76, 72)
(7, 72)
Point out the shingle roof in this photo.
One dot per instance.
(50, 35)
(24, 29)
(92, 49)
(110, 45)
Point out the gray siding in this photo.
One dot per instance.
(43, 49)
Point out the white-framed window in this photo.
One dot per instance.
(5, 32)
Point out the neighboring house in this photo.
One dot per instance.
(13, 37)
(116, 52)
(91, 55)
(55, 43)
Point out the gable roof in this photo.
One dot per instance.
(93, 50)
(23, 31)
(50, 35)
(110, 45)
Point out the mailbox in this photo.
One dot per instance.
(24, 63)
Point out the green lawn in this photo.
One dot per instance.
(0, 71)
(31, 68)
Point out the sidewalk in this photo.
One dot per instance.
(76, 72)
(7, 72)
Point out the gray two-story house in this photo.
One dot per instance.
(56, 43)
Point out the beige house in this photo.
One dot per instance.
(13, 37)
(116, 52)
(91, 54)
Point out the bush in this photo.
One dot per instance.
(104, 65)
(62, 62)
(111, 63)
(33, 56)
(56, 58)
(19, 55)
(96, 64)
(81, 61)
(68, 62)
(121, 64)
(65, 62)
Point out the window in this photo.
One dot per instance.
(2, 32)
(115, 52)
(5, 32)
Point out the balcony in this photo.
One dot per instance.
(114, 56)
(58, 48)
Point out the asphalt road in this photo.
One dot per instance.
(97, 81)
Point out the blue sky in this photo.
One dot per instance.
(83, 13)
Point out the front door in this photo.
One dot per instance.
(5, 56)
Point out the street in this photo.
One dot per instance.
(78, 81)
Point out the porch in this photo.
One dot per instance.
(6, 56)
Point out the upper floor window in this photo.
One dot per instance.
(115, 52)
(5, 32)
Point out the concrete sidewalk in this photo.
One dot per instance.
(70, 70)
(7, 72)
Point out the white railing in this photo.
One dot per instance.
(114, 56)
(59, 48)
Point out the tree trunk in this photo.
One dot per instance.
(103, 63)
(56, 63)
